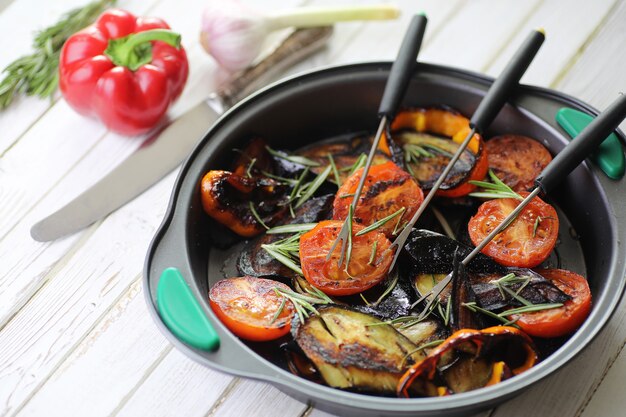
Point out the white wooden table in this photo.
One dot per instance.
(75, 335)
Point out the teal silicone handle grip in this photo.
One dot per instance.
(182, 313)
(609, 157)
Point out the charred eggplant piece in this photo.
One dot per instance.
(395, 304)
(255, 261)
(433, 253)
(471, 359)
(492, 294)
(353, 350)
(429, 137)
(424, 332)
(461, 293)
(239, 202)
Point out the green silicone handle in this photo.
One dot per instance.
(182, 313)
(609, 157)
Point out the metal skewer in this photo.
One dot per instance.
(564, 162)
(396, 85)
(487, 110)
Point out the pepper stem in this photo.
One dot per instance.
(135, 50)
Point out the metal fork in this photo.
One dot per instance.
(399, 77)
(565, 161)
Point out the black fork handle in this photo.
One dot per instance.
(508, 81)
(403, 67)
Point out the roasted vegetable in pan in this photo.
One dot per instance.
(517, 160)
(245, 205)
(389, 194)
(251, 308)
(429, 138)
(364, 268)
(566, 319)
(471, 359)
(354, 322)
(256, 261)
(355, 350)
(527, 241)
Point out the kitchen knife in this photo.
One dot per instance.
(166, 149)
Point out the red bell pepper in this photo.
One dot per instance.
(123, 70)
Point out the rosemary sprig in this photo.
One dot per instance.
(381, 222)
(256, 216)
(334, 168)
(291, 228)
(473, 307)
(280, 310)
(304, 303)
(373, 254)
(494, 189)
(296, 159)
(287, 252)
(359, 163)
(536, 225)
(530, 309)
(427, 345)
(347, 195)
(249, 170)
(37, 74)
(309, 189)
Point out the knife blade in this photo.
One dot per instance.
(166, 149)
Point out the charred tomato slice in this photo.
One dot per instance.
(387, 189)
(366, 267)
(527, 241)
(517, 160)
(251, 309)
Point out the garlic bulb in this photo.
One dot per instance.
(233, 33)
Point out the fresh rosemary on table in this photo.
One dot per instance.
(494, 189)
(37, 74)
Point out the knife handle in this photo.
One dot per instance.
(300, 44)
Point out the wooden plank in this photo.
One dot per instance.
(568, 24)
(97, 392)
(470, 39)
(251, 398)
(177, 386)
(607, 399)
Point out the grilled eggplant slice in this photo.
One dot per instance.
(433, 253)
(353, 350)
(429, 137)
(255, 261)
(423, 332)
(347, 154)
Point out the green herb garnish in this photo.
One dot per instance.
(256, 216)
(296, 159)
(304, 303)
(334, 168)
(291, 228)
(381, 222)
(494, 189)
